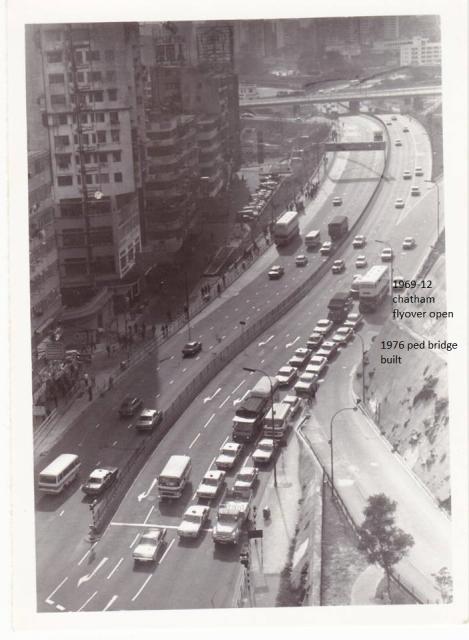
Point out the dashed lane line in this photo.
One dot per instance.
(86, 602)
(194, 441)
(87, 553)
(115, 569)
(166, 551)
(209, 421)
(110, 603)
(142, 588)
(49, 597)
(149, 514)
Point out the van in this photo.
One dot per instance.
(174, 477)
(59, 473)
(313, 239)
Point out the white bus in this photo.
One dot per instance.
(173, 478)
(373, 287)
(313, 239)
(59, 473)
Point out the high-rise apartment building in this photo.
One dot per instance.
(92, 107)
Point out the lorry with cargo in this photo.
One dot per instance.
(247, 421)
(338, 227)
(286, 228)
(373, 287)
(339, 306)
(232, 514)
(278, 425)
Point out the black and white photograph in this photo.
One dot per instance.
(242, 340)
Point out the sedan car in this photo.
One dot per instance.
(148, 419)
(306, 386)
(191, 349)
(323, 326)
(353, 320)
(387, 254)
(264, 451)
(300, 358)
(328, 349)
(129, 406)
(193, 521)
(99, 480)
(418, 171)
(229, 455)
(409, 243)
(314, 340)
(338, 266)
(398, 143)
(316, 365)
(276, 272)
(394, 118)
(148, 545)
(286, 375)
(301, 261)
(361, 262)
(355, 286)
(337, 201)
(326, 248)
(414, 191)
(405, 129)
(343, 335)
(294, 403)
(246, 478)
(407, 175)
(211, 483)
(358, 242)
(399, 204)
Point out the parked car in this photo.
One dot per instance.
(328, 349)
(99, 480)
(148, 419)
(316, 365)
(301, 261)
(405, 129)
(409, 243)
(300, 358)
(306, 385)
(129, 406)
(211, 483)
(343, 335)
(229, 455)
(264, 451)
(353, 320)
(337, 201)
(191, 349)
(314, 340)
(294, 402)
(414, 191)
(338, 266)
(246, 478)
(323, 326)
(361, 262)
(286, 375)
(326, 248)
(387, 254)
(418, 171)
(193, 521)
(148, 545)
(398, 143)
(407, 175)
(358, 242)
(276, 272)
(399, 204)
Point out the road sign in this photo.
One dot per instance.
(256, 533)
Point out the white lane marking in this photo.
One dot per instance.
(140, 525)
(87, 553)
(157, 395)
(157, 369)
(171, 382)
(224, 441)
(97, 426)
(149, 514)
(145, 494)
(290, 344)
(142, 588)
(171, 357)
(262, 361)
(194, 441)
(130, 426)
(214, 457)
(208, 398)
(111, 601)
(133, 541)
(60, 607)
(115, 568)
(166, 551)
(48, 599)
(224, 401)
(88, 576)
(114, 443)
(184, 370)
(210, 347)
(195, 495)
(223, 337)
(61, 513)
(241, 383)
(209, 421)
(261, 344)
(85, 603)
(238, 400)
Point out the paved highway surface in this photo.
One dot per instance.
(73, 577)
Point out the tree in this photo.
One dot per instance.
(383, 542)
(444, 584)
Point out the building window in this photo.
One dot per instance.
(111, 75)
(61, 141)
(73, 238)
(118, 177)
(112, 94)
(101, 235)
(99, 117)
(109, 55)
(93, 55)
(79, 57)
(63, 160)
(75, 266)
(80, 76)
(103, 178)
(115, 135)
(57, 99)
(116, 156)
(114, 117)
(101, 137)
(102, 157)
(71, 210)
(94, 76)
(96, 96)
(54, 56)
(58, 119)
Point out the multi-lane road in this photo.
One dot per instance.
(73, 576)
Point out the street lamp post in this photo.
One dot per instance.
(253, 370)
(388, 245)
(331, 441)
(363, 366)
(437, 207)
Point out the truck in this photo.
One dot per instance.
(277, 428)
(247, 421)
(338, 227)
(286, 228)
(234, 510)
(339, 306)
(373, 287)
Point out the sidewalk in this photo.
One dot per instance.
(366, 585)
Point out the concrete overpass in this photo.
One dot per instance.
(353, 96)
